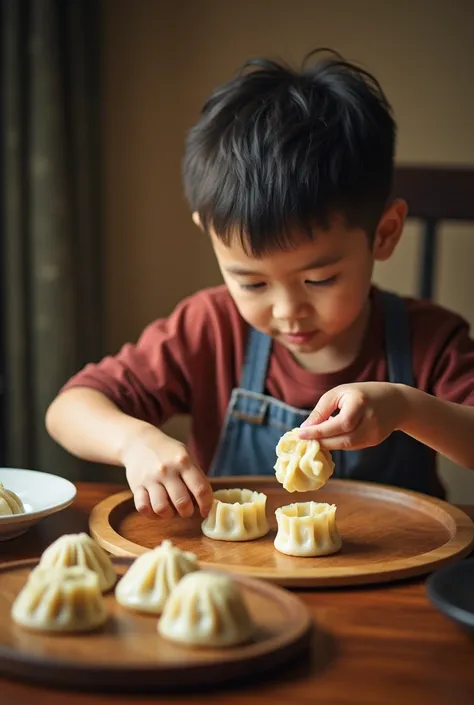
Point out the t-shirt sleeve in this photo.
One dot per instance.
(454, 373)
(444, 355)
(152, 378)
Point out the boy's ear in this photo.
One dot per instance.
(197, 219)
(389, 230)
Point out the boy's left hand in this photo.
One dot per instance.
(368, 413)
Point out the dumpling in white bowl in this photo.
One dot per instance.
(10, 503)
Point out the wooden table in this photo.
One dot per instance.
(382, 645)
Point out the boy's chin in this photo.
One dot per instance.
(302, 348)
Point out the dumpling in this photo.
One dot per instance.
(206, 609)
(302, 465)
(307, 529)
(61, 600)
(81, 550)
(236, 515)
(152, 576)
(10, 503)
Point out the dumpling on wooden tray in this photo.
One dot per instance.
(307, 529)
(61, 599)
(207, 609)
(236, 515)
(79, 550)
(148, 582)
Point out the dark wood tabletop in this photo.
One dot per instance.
(377, 645)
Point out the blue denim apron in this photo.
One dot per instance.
(255, 421)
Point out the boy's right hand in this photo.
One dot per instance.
(163, 477)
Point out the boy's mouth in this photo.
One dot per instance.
(299, 338)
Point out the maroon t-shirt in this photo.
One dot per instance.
(189, 363)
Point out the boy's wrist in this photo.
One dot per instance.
(133, 431)
(406, 397)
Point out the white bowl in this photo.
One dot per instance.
(41, 493)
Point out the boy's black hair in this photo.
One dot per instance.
(277, 152)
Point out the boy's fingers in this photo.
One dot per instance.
(348, 419)
(338, 443)
(179, 496)
(323, 409)
(199, 487)
(142, 501)
(347, 441)
(160, 501)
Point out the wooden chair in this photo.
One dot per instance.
(434, 195)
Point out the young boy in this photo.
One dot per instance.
(290, 174)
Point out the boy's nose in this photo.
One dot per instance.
(289, 308)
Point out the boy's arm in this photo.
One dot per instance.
(140, 387)
(368, 412)
(111, 412)
(160, 472)
(438, 413)
(446, 427)
(87, 424)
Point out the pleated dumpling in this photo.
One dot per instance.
(307, 529)
(61, 599)
(152, 576)
(236, 515)
(10, 503)
(302, 465)
(80, 550)
(207, 609)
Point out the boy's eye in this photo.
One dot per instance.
(322, 282)
(251, 287)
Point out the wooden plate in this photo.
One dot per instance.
(128, 653)
(387, 534)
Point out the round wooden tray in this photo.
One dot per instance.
(387, 534)
(129, 654)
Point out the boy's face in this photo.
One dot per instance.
(310, 297)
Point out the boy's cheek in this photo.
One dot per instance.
(253, 314)
(339, 313)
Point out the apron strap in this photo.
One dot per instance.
(397, 339)
(257, 355)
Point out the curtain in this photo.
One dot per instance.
(51, 318)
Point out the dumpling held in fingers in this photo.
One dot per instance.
(302, 465)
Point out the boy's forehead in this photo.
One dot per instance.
(324, 249)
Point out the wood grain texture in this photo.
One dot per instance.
(128, 653)
(384, 645)
(387, 534)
